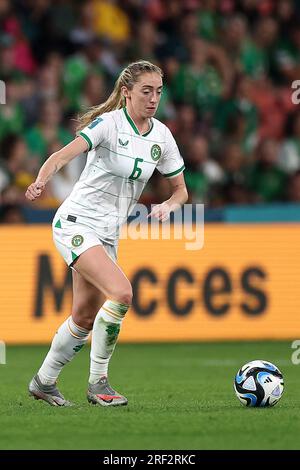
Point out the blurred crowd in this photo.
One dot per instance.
(229, 66)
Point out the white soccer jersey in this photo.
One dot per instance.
(119, 163)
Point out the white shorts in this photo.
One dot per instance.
(72, 239)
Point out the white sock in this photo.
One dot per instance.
(106, 329)
(68, 340)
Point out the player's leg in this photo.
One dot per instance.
(101, 271)
(68, 341)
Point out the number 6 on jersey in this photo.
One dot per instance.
(136, 172)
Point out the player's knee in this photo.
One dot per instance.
(84, 317)
(87, 323)
(124, 295)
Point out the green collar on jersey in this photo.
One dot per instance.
(131, 122)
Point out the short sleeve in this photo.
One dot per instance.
(171, 162)
(95, 132)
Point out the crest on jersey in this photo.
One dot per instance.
(123, 144)
(77, 240)
(155, 152)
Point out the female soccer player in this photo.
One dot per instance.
(125, 144)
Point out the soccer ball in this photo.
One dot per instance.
(259, 383)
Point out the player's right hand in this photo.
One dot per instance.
(35, 190)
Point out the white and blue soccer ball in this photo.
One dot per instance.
(259, 383)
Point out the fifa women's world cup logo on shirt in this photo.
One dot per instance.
(155, 152)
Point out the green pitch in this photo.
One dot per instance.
(180, 397)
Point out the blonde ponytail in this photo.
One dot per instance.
(128, 77)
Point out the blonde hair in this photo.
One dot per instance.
(128, 77)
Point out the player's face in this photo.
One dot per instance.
(145, 95)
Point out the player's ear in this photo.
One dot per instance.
(125, 92)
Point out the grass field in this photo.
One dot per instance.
(180, 397)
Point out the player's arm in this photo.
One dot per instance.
(179, 193)
(178, 198)
(53, 164)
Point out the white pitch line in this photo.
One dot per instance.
(235, 362)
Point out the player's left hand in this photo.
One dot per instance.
(161, 212)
